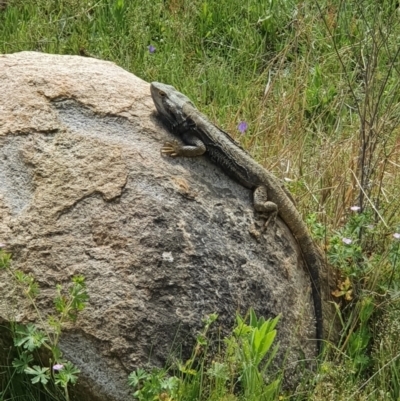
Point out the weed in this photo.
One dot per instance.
(33, 344)
(236, 373)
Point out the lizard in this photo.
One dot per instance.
(200, 136)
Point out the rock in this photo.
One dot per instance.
(161, 242)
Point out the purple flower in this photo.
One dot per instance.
(355, 208)
(58, 366)
(347, 241)
(396, 235)
(242, 127)
(151, 48)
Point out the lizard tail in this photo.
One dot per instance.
(314, 264)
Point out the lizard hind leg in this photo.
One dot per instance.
(268, 209)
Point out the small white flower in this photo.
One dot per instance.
(396, 235)
(355, 208)
(347, 241)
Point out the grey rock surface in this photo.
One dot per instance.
(161, 242)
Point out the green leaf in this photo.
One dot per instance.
(79, 279)
(261, 343)
(219, 370)
(253, 321)
(171, 384)
(367, 308)
(5, 259)
(33, 289)
(210, 319)
(201, 340)
(40, 374)
(69, 305)
(22, 363)
(27, 281)
(79, 295)
(68, 375)
(22, 277)
(55, 323)
(271, 389)
(29, 336)
(136, 377)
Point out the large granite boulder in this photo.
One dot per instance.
(161, 242)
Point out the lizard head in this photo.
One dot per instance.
(170, 103)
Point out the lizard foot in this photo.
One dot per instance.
(254, 232)
(271, 217)
(268, 210)
(171, 149)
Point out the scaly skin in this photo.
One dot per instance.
(200, 136)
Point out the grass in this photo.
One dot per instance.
(318, 84)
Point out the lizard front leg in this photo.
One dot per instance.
(263, 205)
(192, 146)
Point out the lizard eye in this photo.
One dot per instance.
(162, 94)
